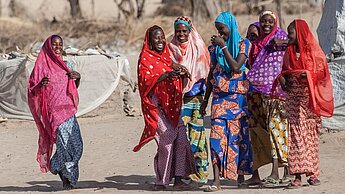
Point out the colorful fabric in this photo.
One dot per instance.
(196, 134)
(266, 61)
(174, 155)
(192, 54)
(232, 43)
(198, 88)
(230, 147)
(304, 133)
(69, 148)
(52, 104)
(268, 129)
(151, 66)
(313, 62)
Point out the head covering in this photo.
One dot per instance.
(263, 38)
(52, 104)
(313, 62)
(192, 54)
(257, 25)
(151, 66)
(267, 60)
(232, 43)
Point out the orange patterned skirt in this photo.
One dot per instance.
(305, 125)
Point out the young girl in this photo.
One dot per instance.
(309, 95)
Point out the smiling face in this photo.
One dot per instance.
(182, 33)
(223, 30)
(252, 33)
(292, 33)
(157, 40)
(57, 45)
(267, 23)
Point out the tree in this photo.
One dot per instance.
(75, 9)
(130, 9)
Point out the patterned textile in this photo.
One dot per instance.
(174, 155)
(268, 129)
(69, 148)
(151, 66)
(196, 133)
(313, 63)
(52, 104)
(266, 65)
(192, 54)
(232, 43)
(304, 132)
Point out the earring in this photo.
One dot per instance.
(150, 46)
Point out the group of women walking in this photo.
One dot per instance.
(269, 91)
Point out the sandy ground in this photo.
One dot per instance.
(108, 164)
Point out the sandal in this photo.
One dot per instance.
(212, 188)
(314, 181)
(286, 180)
(271, 182)
(296, 184)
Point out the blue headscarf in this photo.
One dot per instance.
(232, 43)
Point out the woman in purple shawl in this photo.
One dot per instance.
(268, 125)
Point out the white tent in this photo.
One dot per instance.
(331, 32)
(100, 77)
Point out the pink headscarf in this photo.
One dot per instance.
(263, 39)
(193, 55)
(52, 104)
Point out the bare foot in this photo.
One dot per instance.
(65, 182)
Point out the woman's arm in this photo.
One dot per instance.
(234, 64)
(207, 93)
(76, 76)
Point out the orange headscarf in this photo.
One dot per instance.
(151, 66)
(313, 62)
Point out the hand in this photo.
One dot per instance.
(217, 40)
(283, 83)
(203, 107)
(73, 75)
(44, 81)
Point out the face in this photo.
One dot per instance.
(267, 23)
(223, 30)
(252, 33)
(292, 34)
(57, 45)
(157, 41)
(182, 33)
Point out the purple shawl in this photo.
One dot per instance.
(268, 65)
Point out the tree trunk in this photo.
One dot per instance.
(75, 9)
(279, 10)
(140, 8)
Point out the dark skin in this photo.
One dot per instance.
(267, 23)
(235, 65)
(157, 43)
(57, 46)
(252, 33)
(292, 41)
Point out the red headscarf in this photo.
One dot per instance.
(52, 104)
(151, 66)
(313, 62)
(259, 43)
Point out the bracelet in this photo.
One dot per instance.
(224, 47)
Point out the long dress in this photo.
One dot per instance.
(53, 108)
(161, 105)
(193, 55)
(268, 123)
(307, 99)
(230, 138)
